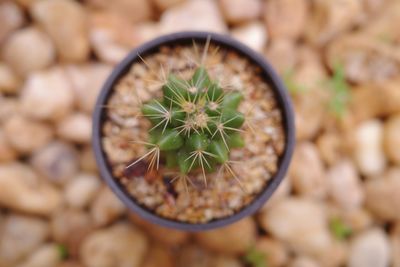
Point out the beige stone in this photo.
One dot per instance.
(253, 34)
(21, 235)
(274, 251)
(391, 138)
(76, 128)
(237, 11)
(134, 10)
(370, 249)
(368, 151)
(119, 245)
(87, 81)
(17, 51)
(67, 221)
(47, 95)
(307, 171)
(66, 23)
(57, 162)
(382, 195)
(159, 256)
(46, 256)
(81, 190)
(200, 15)
(167, 236)
(7, 152)
(281, 53)
(9, 82)
(165, 4)
(113, 36)
(299, 222)
(234, 239)
(21, 189)
(11, 18)
(286, 18)
(25, 135)
(106, 207)
(344, 185)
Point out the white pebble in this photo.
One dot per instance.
(21, 235)
(76, 128)
(345, 185)
(17, 51)
(368, 150)
(46, 256)
(25, 135)
(195, 15)
(300, 222)
(47, 95)
(66, 23)
(370, 249)
(21, 189)
(119, 245)
(81, 190)
(253, 34)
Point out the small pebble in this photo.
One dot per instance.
(285, 18)
(119, 245)
(344, 185)
(165, 4)
(9, 82)
(238, 11)
(57, 162)
(47, 95)
(233, 239)
(80, 191)
(391, 138)
(307, 171)
(368, 150)
(21, 235)
(370, 249)
(106, 207)
(11, 18)
(64, 21)
(20, 131)
(76, 128)
(299, 222)
(382, 195)
(193, 15)
(21, 189)
(253, 34)
(47, 255)
(17, 51)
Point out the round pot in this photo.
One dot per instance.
(187, 38)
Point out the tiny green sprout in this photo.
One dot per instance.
(340, 91)
(292, 86)
(255, 258)
(339, 229)
(194, 125)
(62, 251)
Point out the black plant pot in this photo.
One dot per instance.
(187, 38)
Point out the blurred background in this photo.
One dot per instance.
(340, 202)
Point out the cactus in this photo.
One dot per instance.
(194, 125)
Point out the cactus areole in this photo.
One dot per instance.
(194, 124)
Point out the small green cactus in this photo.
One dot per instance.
(194, 125)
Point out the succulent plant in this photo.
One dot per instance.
(194, 125)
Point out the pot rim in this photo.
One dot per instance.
(269, 76)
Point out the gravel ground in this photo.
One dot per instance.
(338, 205)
